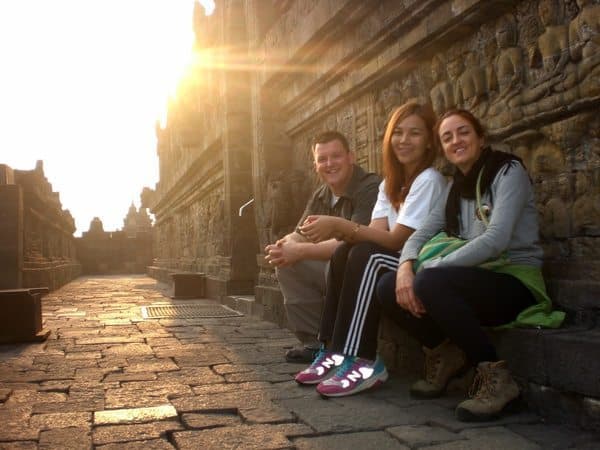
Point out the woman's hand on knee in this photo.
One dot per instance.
(405, 294)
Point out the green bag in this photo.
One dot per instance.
(441, 245)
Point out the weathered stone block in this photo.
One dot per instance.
(572, 362)
(188, 285)
(523, 349)
(21, 318)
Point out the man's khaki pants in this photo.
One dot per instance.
(303, 287)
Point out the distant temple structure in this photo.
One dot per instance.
(128, 250)
(37, 247)
(136, 221)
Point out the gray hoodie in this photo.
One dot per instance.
(513, 225)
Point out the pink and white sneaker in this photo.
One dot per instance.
(355, 375)
(321, 368)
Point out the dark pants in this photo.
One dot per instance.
(350, 318)
(458, 301)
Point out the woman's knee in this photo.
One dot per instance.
(362, 251)
(341, 251)
(429, 284)
(386, 289)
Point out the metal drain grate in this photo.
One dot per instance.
(187, 311)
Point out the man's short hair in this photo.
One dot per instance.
(328, 136)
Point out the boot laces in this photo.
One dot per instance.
(432, 365)
(483, 385)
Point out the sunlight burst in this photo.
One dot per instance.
(82, 85)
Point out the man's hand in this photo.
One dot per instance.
(405, 295)
(284, 252)
(320, 228)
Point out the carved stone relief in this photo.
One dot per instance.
(529, 73)
(442, 92)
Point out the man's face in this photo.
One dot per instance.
(334, 165)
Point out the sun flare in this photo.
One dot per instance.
(82, 86)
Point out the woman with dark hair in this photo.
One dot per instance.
(491, 278)
(347, 362)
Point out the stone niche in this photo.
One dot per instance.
(37, 247)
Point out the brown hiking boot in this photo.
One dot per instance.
(494, 391)
(441, 364)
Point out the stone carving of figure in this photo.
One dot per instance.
(584, 41)
(586, 209)
(547, 160)
(441, 94)
(552, 53)
(557, 212)
(284, 208)
(455, 68)
(470, 89)
(385, 101)
(508, 76)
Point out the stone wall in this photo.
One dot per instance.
(529, 70)
(37, 247)
(269, 75)
(205, 167)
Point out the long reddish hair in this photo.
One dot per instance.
(397, 181)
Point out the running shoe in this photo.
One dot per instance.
(323, 366)
(353, 376)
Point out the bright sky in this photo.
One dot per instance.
(82, 83)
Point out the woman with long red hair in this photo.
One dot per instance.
(347, 362)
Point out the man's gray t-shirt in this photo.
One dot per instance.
(355, 204)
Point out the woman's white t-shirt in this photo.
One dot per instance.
(424, 192)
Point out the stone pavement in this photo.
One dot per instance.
(109, 379)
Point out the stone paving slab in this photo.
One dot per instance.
(134, 415)
(241, 437)
(106, 378)
(72, 438)
(365, 440)
(151, 444)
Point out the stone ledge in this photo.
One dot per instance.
(53, 277)
(565, 359)
(162, 274)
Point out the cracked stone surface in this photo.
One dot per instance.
(108, 379)
(374, 439)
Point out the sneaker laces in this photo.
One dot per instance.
(483, 385)
(346, 367)
(319, 356)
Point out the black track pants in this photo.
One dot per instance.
(458, 301)
(351, 313)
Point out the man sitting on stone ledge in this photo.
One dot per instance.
(347, 191)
